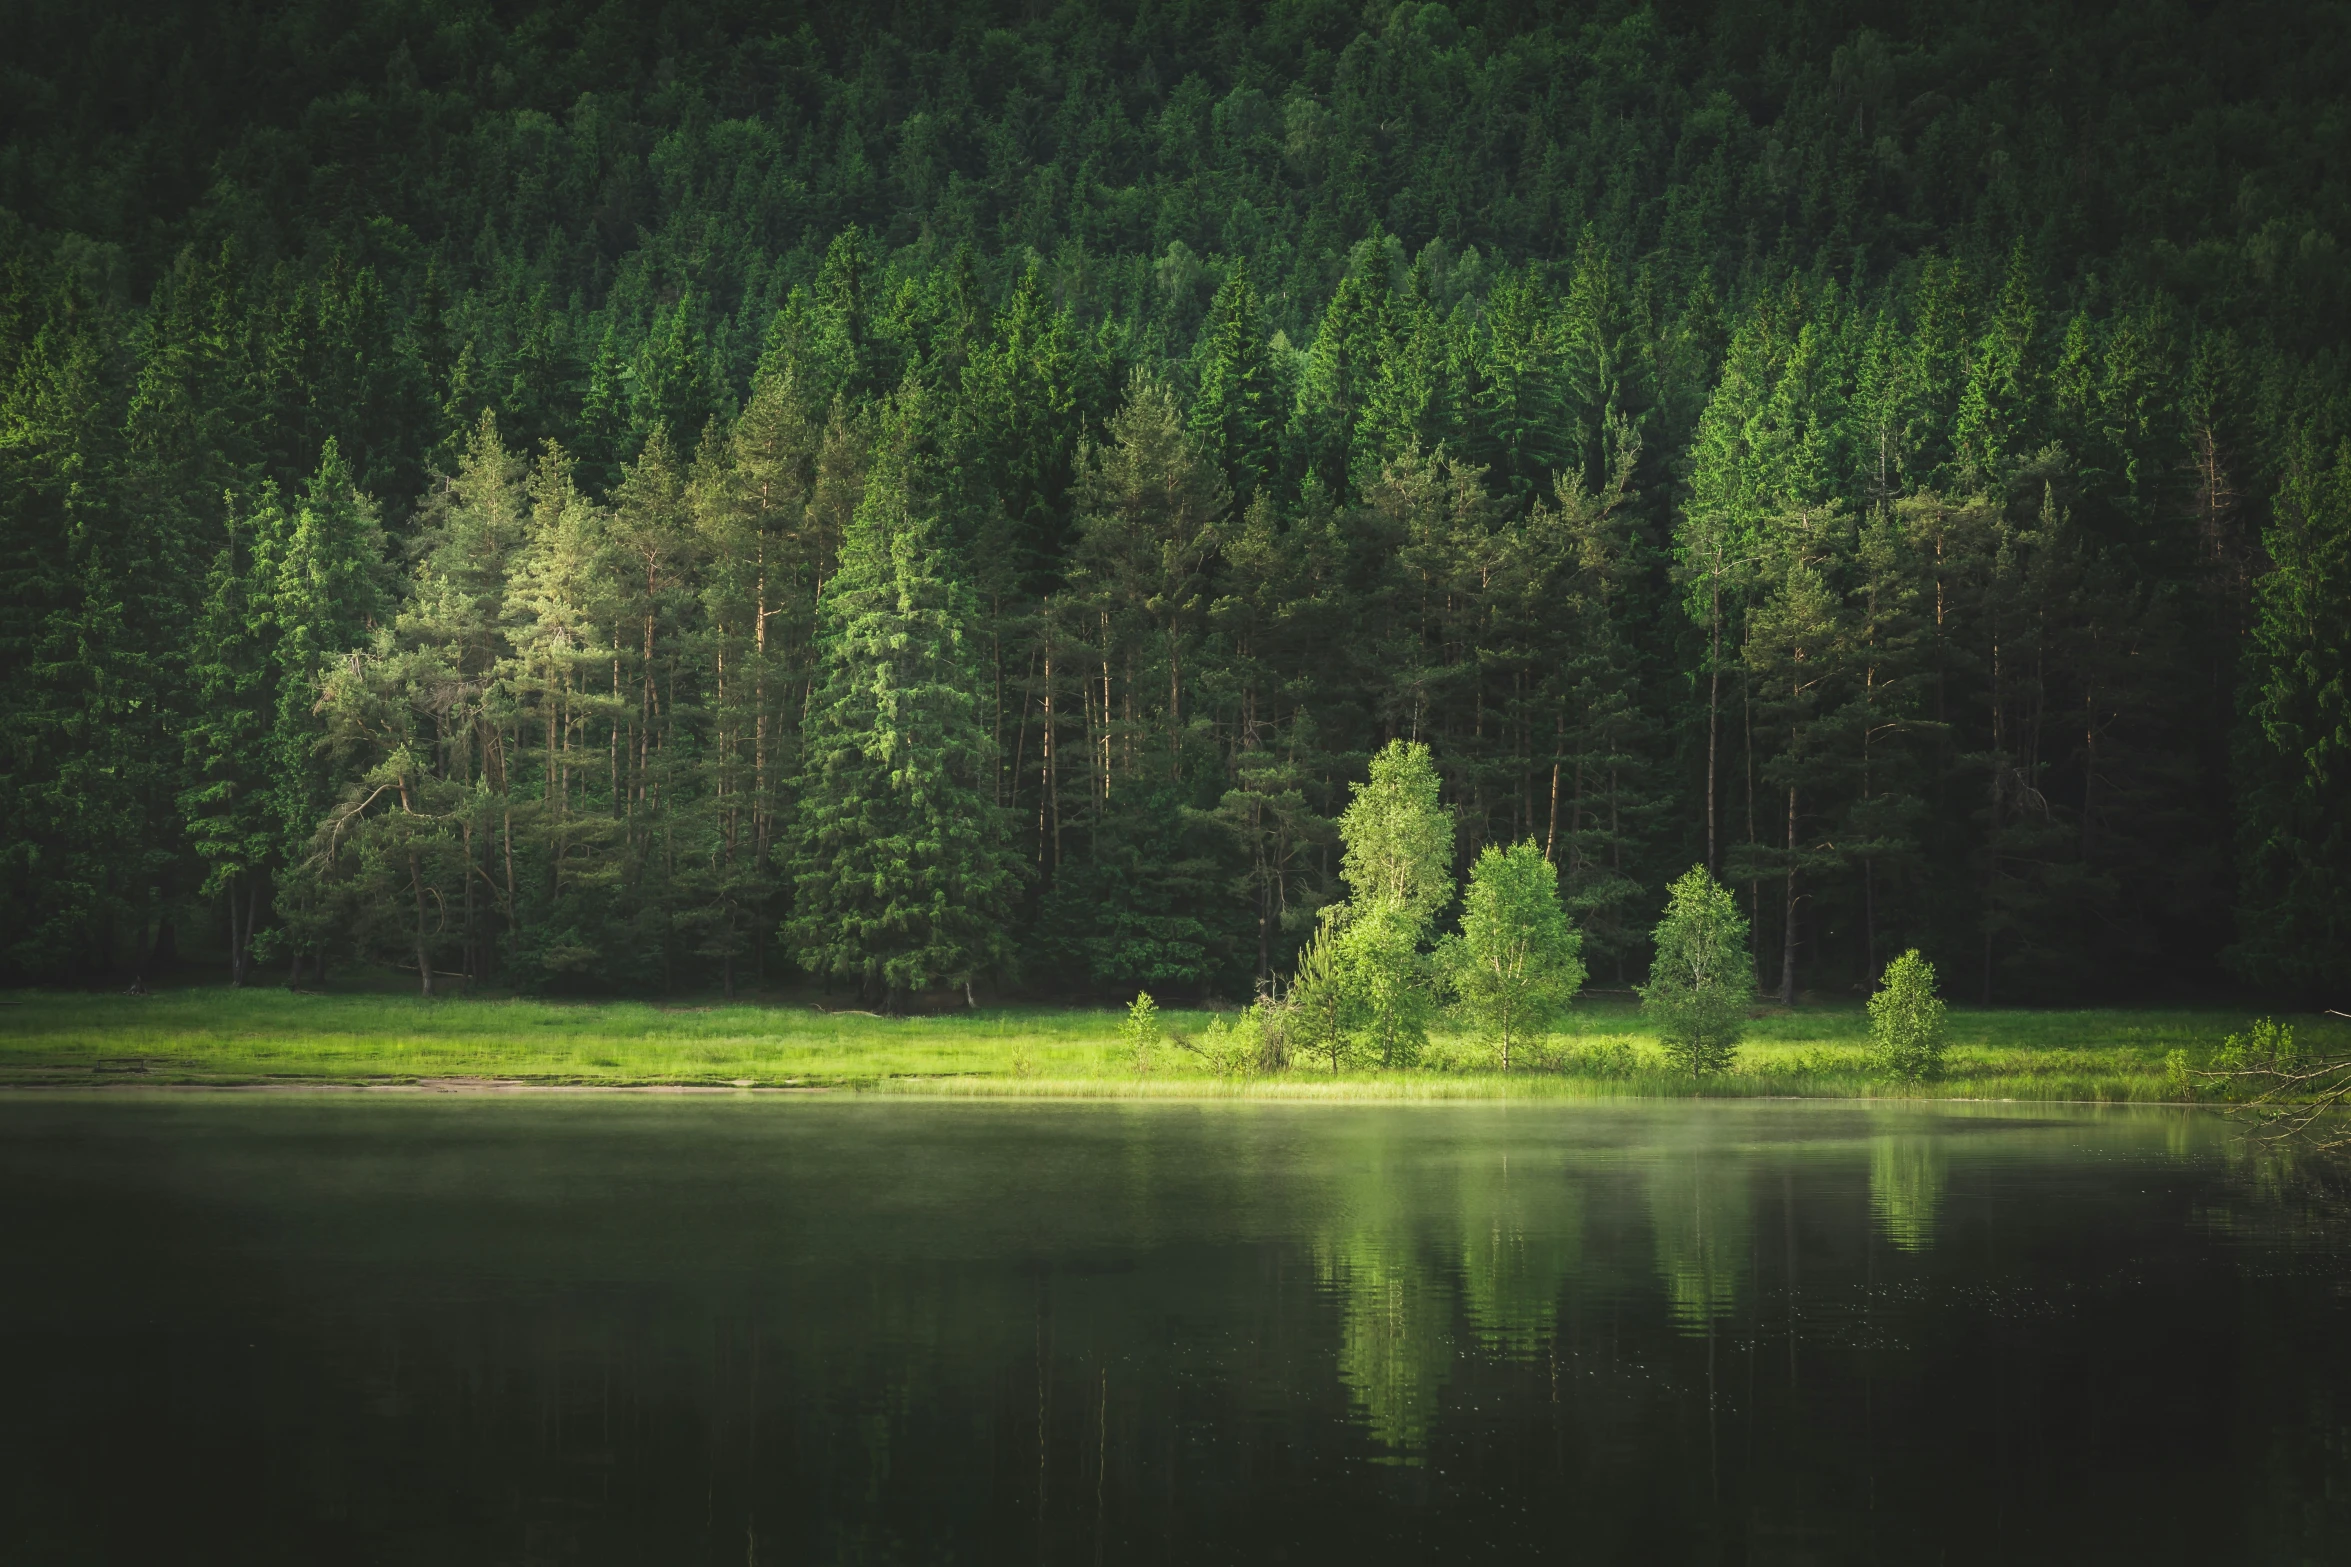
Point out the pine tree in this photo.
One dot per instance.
(1603, 738)
(1237, 415)
(1022, 393)
(1793, 660)
(1999, 414)
(2295, 913)
(672, 381)
(902, 878)
(233, 671)
(1518, 412)
(326, 600)
(1415, 399)
(1341, 369)
(1149, 506)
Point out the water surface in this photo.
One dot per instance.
(310, 1329)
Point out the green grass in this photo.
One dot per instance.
(217, 1036)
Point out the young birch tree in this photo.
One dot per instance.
(1517, 962)
(1702, 978)
(1398, 865)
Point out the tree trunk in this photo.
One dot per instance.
(1788, 915)
(424, 961)
(236, 941)
(1713, 722)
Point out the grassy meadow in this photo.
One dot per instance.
(268, 1037)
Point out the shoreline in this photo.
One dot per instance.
(1073, 1093)
(272, 1043)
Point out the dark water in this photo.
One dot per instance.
(567, 1330)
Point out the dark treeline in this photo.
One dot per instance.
(624, 500)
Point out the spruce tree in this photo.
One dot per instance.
(1341, 369)
(901, 874)
(1518, 420)
(231, 821)
(2292, 765)
(1237, 416)
(327, 598)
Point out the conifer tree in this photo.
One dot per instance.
(233, 674)
(1604, 745)
(1237, 416)
(1999, 415)
(327, 598)
(1415, 399)
(1022, 393)
(1341, 368)
(2295, 917)
(901, 875)
(1518, 413)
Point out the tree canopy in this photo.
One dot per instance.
(637, 499)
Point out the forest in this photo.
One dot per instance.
(594, 499)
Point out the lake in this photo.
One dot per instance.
(376, 1328)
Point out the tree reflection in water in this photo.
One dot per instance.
(1907, 1176)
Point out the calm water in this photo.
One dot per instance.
(573, 1330)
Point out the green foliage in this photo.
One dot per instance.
(1269, 413)
(1149, 903)
(2266, 1048)
(1141, 1035)
(1328, 1003)
(901, 879)
(2294, 757)
(1237, 413)
(1517, 962)
(1398, 863)
(1906, 1021)
(1254, 1043)
(1379, 958)
(1398, 841)
(1702, 977)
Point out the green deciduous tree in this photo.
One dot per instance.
(1398, 840)
(1906, 1020)
(1702, 977)
(1398, 864)
(1517, 962)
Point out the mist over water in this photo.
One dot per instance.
(293, 1329)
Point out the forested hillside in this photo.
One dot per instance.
(589, 498)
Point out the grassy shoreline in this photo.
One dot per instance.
(220, 1037)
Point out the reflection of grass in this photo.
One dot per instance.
(220, 1036)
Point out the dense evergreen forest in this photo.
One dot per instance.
(616, 498)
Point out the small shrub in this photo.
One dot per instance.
(2266, 1047)
(1906, 1021)
(1229, 1052)
(1271, 1025)
(2178, 1079)
(1141, 1034)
